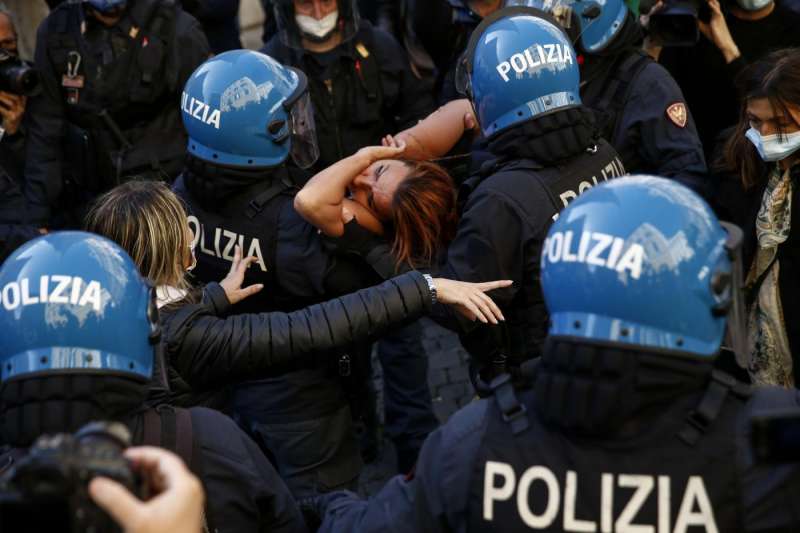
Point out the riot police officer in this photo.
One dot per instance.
(80, 339)
(641, 109)
(627, 424)
(521, 74)
(360, 79)
(111, 71)
(251, 132)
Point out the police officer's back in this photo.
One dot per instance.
(627, 424)
(641, 110)
(360, 79)
(111, 72)
(80, 339)
(522, 76)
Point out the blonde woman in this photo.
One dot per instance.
(206, 350)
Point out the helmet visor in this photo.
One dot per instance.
(561, 10)
(304, 150)
(734, 299)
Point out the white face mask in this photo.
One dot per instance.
(753, 5)
(771, 147)
(318, 28)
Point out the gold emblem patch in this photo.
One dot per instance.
(677, 114)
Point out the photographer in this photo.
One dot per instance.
(177, 506)
(737, 33)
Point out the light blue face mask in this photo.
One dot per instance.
(753, 5)
(774, 147)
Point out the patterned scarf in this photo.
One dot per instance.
(770, 357)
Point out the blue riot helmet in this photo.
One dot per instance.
(518, 65)
(294, 26)
(107, 6)
(244, 109)
(73, 302)
(591, 24)
(644, 262)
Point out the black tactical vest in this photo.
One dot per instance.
(256, 219)
(541, 479)
(122, 116)
(525, 328)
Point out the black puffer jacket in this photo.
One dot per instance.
(207, 352)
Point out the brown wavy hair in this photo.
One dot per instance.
(424, 214)
(775, 77)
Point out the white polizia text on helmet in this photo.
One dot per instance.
(53, 289)
(594, 248)
(200, 110)
(535, 56)
(500, 482)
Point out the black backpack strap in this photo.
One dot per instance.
(701, 417)
(513, 412)
(280, 185)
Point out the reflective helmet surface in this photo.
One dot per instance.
(74, 302)
(592, 24)
(518, 65)
(105, 6)
(642, 261)
(348, 22)
(244, 109)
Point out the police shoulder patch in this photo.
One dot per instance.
(677, 114)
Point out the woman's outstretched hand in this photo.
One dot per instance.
(233, 281)
(470, 299)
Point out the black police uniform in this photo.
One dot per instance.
(442, 28)
(642, 112)
(13, 233)
(362, 90)
(607, 440)
(220, 21)
(302, 418)
(107, 108)
(538, 167)
(243, 491)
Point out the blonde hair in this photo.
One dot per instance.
(147, 220)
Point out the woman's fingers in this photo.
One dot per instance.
(249, 291)
(244, 265)
(492, 285)
(237, 257)
(492, 307)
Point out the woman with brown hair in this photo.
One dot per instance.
(412, 203)
(765, 152)
(207, 350)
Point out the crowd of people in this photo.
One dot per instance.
(208, 244)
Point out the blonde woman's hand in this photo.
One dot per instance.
(177, 506)
(233, 281)
(470, 299)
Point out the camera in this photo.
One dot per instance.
(47, 489)
(675, 24)
(776, 436)
(16, 76)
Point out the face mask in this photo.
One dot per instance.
(771, 147)
(753, 5)
(318, 28)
